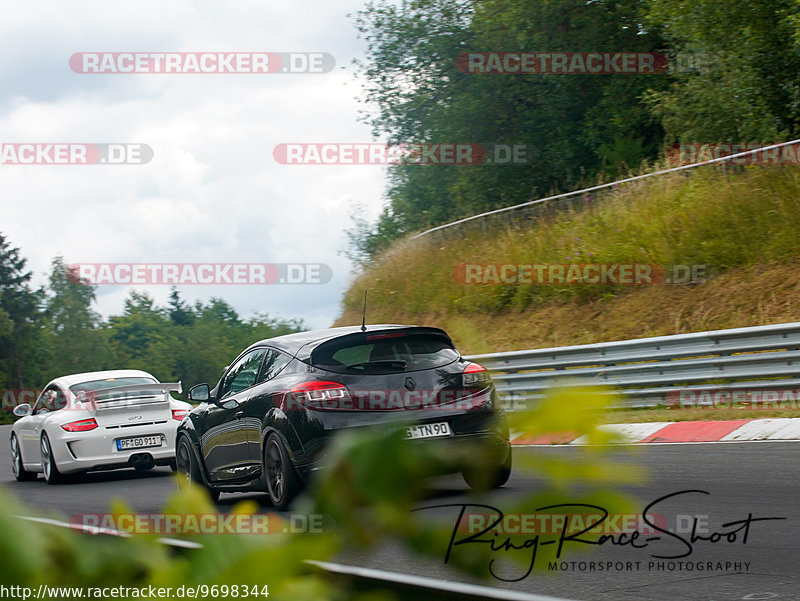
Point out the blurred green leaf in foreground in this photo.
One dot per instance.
(370, 489)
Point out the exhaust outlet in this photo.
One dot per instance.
(141, 459)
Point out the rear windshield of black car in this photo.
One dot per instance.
(384, 353)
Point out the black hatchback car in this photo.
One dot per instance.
(268, 421)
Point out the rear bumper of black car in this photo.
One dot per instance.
(477, 437)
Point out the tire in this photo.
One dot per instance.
(20, 473)
(49, 467)
(485, 479)
(188, 470)
(281, 481)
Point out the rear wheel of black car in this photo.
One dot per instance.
(485, 478)
(282, 482)
(188, 470)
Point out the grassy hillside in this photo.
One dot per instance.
(744, 224)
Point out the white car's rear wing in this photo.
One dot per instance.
(130, 394)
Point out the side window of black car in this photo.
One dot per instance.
(274, 362)
(243, 373)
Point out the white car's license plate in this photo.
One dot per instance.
(139, 442)
(436, 430)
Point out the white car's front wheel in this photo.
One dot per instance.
(20, 473)
(49, 467)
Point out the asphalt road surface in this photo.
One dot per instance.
(743, 479)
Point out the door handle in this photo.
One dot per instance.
(239, 414)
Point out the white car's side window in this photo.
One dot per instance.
(59, 400)
(45, 401)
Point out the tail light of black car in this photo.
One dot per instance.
(325, 395)
(320, 395)
(475, 376)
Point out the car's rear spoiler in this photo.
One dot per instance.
(307, 351)
(116, 395)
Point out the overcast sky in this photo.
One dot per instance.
(213, 191)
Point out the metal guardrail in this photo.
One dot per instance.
(651, 371)
(365, 580)
(405, 586)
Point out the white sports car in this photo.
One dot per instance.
(99, 420)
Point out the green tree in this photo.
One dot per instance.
(573, 126)
(75, 339)
(183, 343)
(20, 321)
(219, 334)
(137, 331)
(180, 313)
(737, 74)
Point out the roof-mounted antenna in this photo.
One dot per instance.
(364, 314)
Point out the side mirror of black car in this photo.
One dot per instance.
(200, 393)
